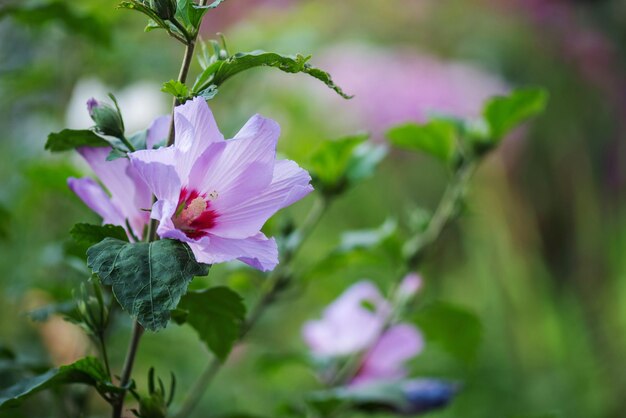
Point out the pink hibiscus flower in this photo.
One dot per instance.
(356, 322)
(216, 194)
(129, 197)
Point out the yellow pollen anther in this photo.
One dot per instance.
(195, 209)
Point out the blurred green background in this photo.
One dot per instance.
(539, 256)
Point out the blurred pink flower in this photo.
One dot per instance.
(215, 194)
(350, 324)
(386, 359)
(129, 199)
(356, 322)
(397, 86)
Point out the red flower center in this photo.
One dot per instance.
(194, 215)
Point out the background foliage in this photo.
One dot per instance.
(538, 257)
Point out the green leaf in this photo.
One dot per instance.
(364, 161)
(371, 396)
(176, 89)
(453, 328)
(137, 140)
(217, 315)
(74, 22)
(331, 161)
(221, 70)
(88, 371)
(148, 279)
(402, 397)
(93, 234)
(368, 238)
(69, 139)
(436, 138)
(505, 113)
(190, 14)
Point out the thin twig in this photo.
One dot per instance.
(128, 368)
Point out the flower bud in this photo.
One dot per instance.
(165, 9)
(108, 119)
(410, 285)
(152, 406)
(425, 395)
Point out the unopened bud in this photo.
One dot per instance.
(410, 285)
(165, 9)
(108, 120)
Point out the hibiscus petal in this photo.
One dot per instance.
(157, 169)
(290, 183)
(385, 361)
(257, 251)
(245, 167)
(348, 325)
(158, 131)
(128, 192)
(97, 200)
(195, 128)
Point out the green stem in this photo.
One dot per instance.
(126, 142)
(276, 282)
(444, 214)
(128, 368)
(103, 353)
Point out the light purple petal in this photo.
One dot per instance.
(350, 324)
(158, 131)
(257, 251)
(97, 200)
(195, 129)
(129, 193)
(246, 165)
(290, 183)
(385, 361)
(156, 168)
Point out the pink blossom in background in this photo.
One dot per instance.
(386, 359)
(355, 322)
(397, 86)
(350, 324)
(410, 285)
(216, 194)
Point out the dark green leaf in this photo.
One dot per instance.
(505, 113)
(217, 315)
(69, 139)
(88, 371)
(148, 279)
(436, 138)
(41, 14)
(221, 70)
(93, 234)
(453, 328)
